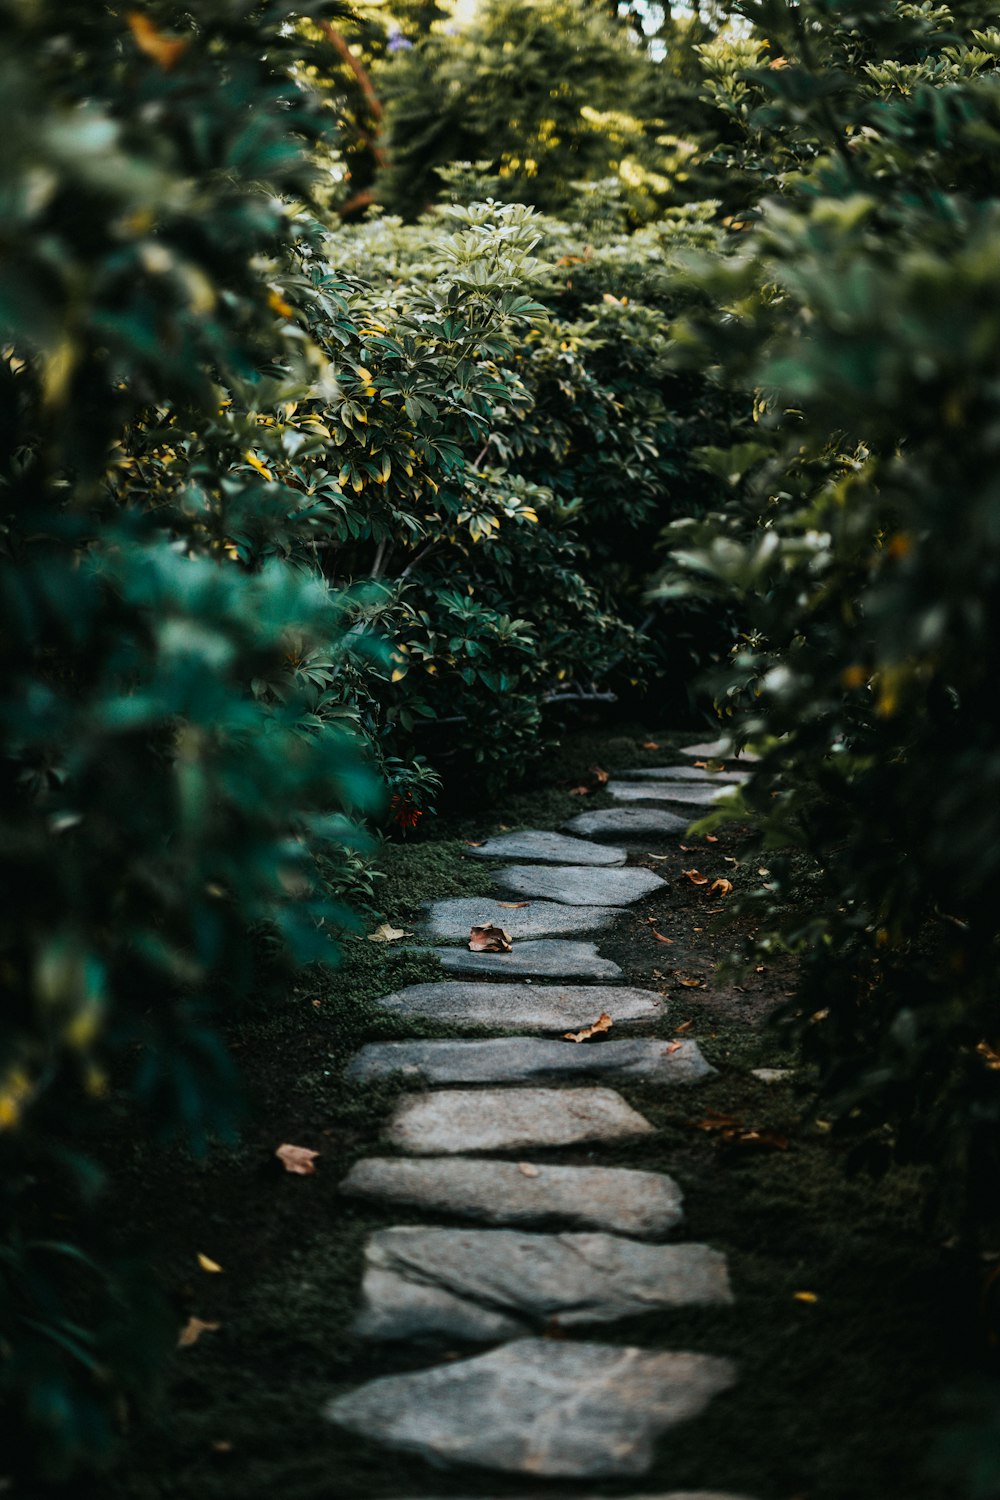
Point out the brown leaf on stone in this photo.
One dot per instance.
(513, 905)
(672, 1047)
(527, 1169)
(193, 1330)
(485, 938)
(297, 1159)
(474, 843)
(660, 938)
(722, 886)
(603, 1023)
(695, 877)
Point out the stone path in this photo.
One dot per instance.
(563, 1247)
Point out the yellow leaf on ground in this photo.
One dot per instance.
(603, 1023)
(208, 1265)
(387, 934)
(805, 1296)
(193, 1330)
(297, 1159)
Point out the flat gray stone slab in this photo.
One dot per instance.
(629, 824)
(546, 1007)
(529, 1059)
(687, 793)
(450, 920)
(545, 958)
(720, 749)
(684, 773)
(539, 847)
(538, 1407)
(461, 1120)
(578, 885)
(647, 1205)
(674, 1495)
(488, 1284)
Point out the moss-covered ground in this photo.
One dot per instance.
(851, 1325)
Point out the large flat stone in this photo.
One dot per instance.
(720, 749)
(684, 773)
(647, 1205)
(488, 1284)
(450, 920)
(546, 958)
(685, 793)
(578, 885)
(674, 1495)
(538, 847)
(455, 1122)
(529, 1059)
(538, 1407)
(629, 824)
(546, 1007)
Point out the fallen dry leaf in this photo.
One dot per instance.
(672, 1047)
(165, 51)
(603, 1023)
(684, 1026)
(297, 1159)
(485, 938)
(579, 791)
(387, 934)
(651, 745)
(513, 905)
(805, 1297)
(193, 1330)
(760, 1140)
(316, 1004)
(715, 1121)
(600, 775)
(474, 843)
(658, 856)
(695, 877)
(702, 765)
(526, 1169)
(208, 1265)
(660, 938)
(723, 886)
(222, 1446)
(711, 838)
(689, 981)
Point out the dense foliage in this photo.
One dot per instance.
(857, 525)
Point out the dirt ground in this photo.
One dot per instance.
(855, 1332)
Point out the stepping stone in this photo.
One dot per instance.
(490, 1284)
(451, 919)
(674, 1495)
(547, 1007)
(689, 793)
(462, 1120)
(630, 824)
(529, 1059)
(547, 849)
(547, 958)
(647, 1205)
(683, 773)
(538, 1407)
(576, 885)
(721, 749)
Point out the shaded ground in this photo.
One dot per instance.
(841, 1390)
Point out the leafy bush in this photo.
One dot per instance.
(857, 527)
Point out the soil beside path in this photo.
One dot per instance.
(841, 1327)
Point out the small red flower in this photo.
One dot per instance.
(403, 811)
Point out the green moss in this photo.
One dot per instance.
(831, 1392)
